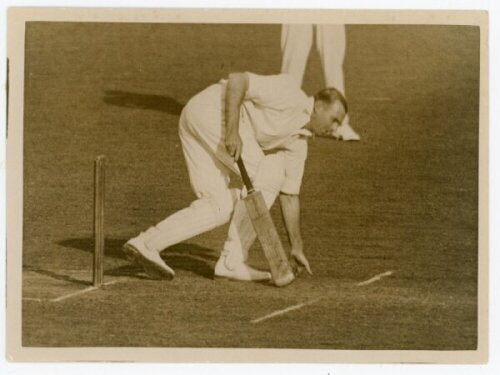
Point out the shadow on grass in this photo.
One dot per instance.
(184, 256)
(143, 101)
(56, 276)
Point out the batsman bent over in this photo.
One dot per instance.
(264, 119)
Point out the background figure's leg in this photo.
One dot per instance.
(331, 43)
(296, 42)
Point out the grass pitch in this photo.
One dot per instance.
(404, 199)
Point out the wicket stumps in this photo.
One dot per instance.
(98, 264)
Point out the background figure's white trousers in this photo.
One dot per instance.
(210, 170)
(296, 42)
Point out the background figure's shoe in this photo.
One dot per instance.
(137, 251)
(346, 133)
(241, 272)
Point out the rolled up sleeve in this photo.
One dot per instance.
(276, 91)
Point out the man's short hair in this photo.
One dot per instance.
(330, 95)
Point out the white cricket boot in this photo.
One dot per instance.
(137, 251)
(345, 132)
(239, 272)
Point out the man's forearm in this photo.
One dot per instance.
(290, 208)
(235, 92)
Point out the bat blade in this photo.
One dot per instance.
(274, 252)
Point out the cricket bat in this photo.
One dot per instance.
(281, 271)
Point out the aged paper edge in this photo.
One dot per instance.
(17, 17)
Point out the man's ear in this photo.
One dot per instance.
(318, 105)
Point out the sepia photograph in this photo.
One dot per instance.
(247, 186)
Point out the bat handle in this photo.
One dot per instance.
(244, 175)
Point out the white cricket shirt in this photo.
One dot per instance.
(278, 110)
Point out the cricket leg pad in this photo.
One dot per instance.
(241, 234)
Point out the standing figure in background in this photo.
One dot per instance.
(296, 42)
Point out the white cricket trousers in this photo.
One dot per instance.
(296, 42)
(210, 167)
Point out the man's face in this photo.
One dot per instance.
(326, 118)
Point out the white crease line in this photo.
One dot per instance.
(89, 289)
(288, 309)
(32, 299)
(374, 278)
(300, 305)
(59, 270)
